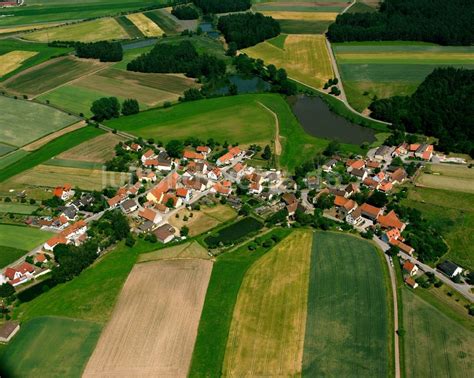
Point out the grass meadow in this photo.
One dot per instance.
(23, 121)
(385, 69)
(22, 237)
(17, 208)
(9, 255)
(226, 279)
(458, 178)
(12, 157)
(348, 323)
(267, 331)
(50, 346)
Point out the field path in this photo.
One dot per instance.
(277, 130)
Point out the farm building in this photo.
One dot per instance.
(165, 233)
(410, 268)
(449, 269)
(8, 330)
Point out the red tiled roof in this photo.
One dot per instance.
(370, 210)
(150, 162)
(193, 155)
(181, 192)
(340, 201)
(203, 149)
(408, 266)
(55, 240)
(226, 157)
(148, 154)
(390, 220)
(358, 164)
(234, 151)
(148, 214)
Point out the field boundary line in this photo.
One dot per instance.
(278, 148)
(38, 143)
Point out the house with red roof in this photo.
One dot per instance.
(54, 241)
(63, 192)
(215, 174)
(203, 150)
(150, 215)
(370, 212)
(184, 194)
(391, 220)
(409, 250)
(192, 155)
(19, 274)
(221, 189)
(148, 155)
(135, 147)
(410, 268)
(411, 282)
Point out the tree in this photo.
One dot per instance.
(325, 201)
(192, 94)
(6, 290)
(184, 231)
(105, 108)
(130, 106)
(332, 148)
(267, 153)
(170, 203)
(129, 241)
(231, 49)
(233, 90)
(175, 148)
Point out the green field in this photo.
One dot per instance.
(129, 55)
(5, 149)
(304, 27)
(226, 278)
(166, 23)
(9, 255)
(17, 208)
(23, 122)
(348, 321)
(22, 237)
(6, 160)
(51, 75)
(44, 53)
(386, 69)
(453, 214)
(40, 11)
(48, 151)
(434, 344)
(50, 347)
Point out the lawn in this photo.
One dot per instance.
(48, 151)
(42, 52)
(23, 121)
(449, 177)
(304, 27)
(145, 25)
(452, 213)
(386, 69)
(9, 255)
(305, 58)
(92, 295)
(6, 160)
(348, 321)
(51, 74)
(226, 279)
(17, 208)
(22, 237)
(131, 54)
(267, 331)
(435, 345)
(50, 347)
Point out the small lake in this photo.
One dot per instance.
(317, 120)
(244, 85)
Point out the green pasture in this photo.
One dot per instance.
(17, 208)
(361, 7)
(44, 53)
(227, 274)
(129, 55)
(304, 27)
(12, 157)
(48, 151)
(50, 347)
(9, 255)
(22, 237)
(23, 121)
(348, 325)
(278, 41)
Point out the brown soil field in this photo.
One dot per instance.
(48, 138)
(154, 325)
(98, 150)
(182, 251)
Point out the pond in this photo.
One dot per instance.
(208, 29)
(244, 85)
(317, 120)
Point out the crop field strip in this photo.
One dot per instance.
(164, 20)
(129, 27)
(190, 250)
(160, 337)
(146, 25)
(9, 255)
(38, 143)
(347, 329)
(267, 332)
(12, 60)
(99, 150)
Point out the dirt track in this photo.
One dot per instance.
(154, 324)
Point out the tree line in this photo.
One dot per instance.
(439, 21)
(442, 107)
(104, 50)
(109, 107)
(185, 12)
(247, 29)
(179, 58)
(222, 6)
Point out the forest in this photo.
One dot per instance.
(105, 51)
(185, 12)
(180, 58)
(248, 29)
(442, 107)
(222, 6)
(438, 21)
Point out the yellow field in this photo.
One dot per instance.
(405, 57)
(305, 16)
(305, 58)
(192, 250)
(449, 177)
(146, 26)
(98, 150)
(267, 332)
(12, 60)
(89, 31)
(14, 29)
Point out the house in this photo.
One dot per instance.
(40, 258)
(150, 215)
(449, 269)
(147, 226)
(9, 329)
(361, 174)
(20, 274)
(165, 233)
(424, 151)
(357, 164)
(115, 201)
(54, 241)
(372, 164)
(221, 189)
(370, 212)
(224, 159)
(194, 184)
(410, 268)
(60, 222)
(289, 198)
(148, 155)
(191, 155)
(129, 206)
(402, 246)
(184, 194)
(402, 149)
(371, 183)
(398, 176)
(354, 217)
(255, 188)
(350, 190)
(70, 212)
(75, 230)
(391, 220)
(237, 170)
(149, 176)
(170, 199)
(291, 208)
(135, 147)
(383, 153)
(205, 150)
(385, 186)
(329, 165)
(411, 282)
(394, 234)
(215, 174)
(63, 192)
(168, 183)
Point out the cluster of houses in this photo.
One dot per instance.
(24, 272)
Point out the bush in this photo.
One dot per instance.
(130, 106)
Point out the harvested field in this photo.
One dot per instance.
(305, 58)
(303, 16)
(100, 149)
(129, 27)
(192, 250)
(267, 332)
(48, 138)
(448, 177)
(158, 312)
(145, 25)
(88, 31)
(12, 60)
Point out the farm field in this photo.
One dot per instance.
(16, 155)
(129, 55)
(50, 346)
(305, 58)
(129, 27)
(227, 275)
(203, 220)
(18, 29)
(234, 232)
(89, 31)
(22, 237)
(146, 26)
(448, 177)
(191, 250)
(160, 337)
(100, 149)
(49, 150)
(38, 143)
(52, 74)
(434, 344)
(348, 320)
(167, 22)
(387, 69)
(452, 213)
(9, 255)
(17, 208)
(299, 6)
(5, 149)
(23, 122)
(12, 60)
(267, 332)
